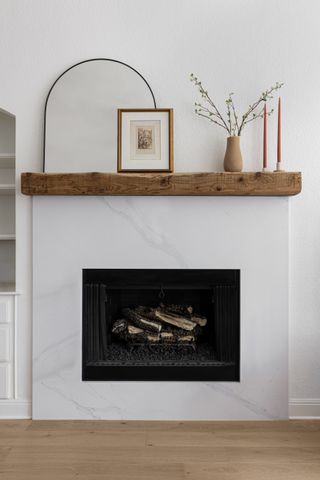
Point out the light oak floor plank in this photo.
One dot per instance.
(94, 450)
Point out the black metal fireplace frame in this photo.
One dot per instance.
(220, 372)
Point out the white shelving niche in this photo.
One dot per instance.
(7, 256)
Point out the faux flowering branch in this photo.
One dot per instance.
(231, 122)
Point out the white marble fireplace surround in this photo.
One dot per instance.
(71, 233)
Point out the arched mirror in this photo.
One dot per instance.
(80, 123)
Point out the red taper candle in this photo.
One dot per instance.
(279, 132)
(265, 159)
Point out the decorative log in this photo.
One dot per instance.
(177, 321)
(147, 325)
(167, 328)
(132, 334)
(140, 321)
(146, 312)
(132, 330)
(162, 314)
(172, 337)
(142, 334)
(120, 327)
(184, 310)
(138, 335)
(199, 320)
(153, 338)
(186, 339)
(167, 337)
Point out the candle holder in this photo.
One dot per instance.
(265, 170)
(278, 167)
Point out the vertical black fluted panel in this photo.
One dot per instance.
(86, 334)
(102, 321)
(95, 321)
(226, 324)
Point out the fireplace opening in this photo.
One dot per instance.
(161, 324)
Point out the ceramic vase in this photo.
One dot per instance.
(233, 157)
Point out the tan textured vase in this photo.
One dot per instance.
(233, 157)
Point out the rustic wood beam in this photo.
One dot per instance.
(173, 184)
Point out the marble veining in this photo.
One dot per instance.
(252, 406)
(156, 239)
(70, 234)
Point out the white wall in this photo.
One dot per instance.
(234, 45)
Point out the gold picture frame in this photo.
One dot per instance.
(145, 140)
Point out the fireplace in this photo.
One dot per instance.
(131, 234)
(161, 324)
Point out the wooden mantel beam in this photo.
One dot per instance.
(172, 184)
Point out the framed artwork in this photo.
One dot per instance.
(145, 140)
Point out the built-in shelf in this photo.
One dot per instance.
(8, 303)
(7, 160)
(193, 184)
(7, 189)
(7, 237)
(8, 289)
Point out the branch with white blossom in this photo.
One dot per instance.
(231, 122)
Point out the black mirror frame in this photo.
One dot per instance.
(61, 75)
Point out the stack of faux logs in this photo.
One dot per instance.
(165, 324)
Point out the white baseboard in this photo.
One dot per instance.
(304, 408)
(299, 408)
(15, 409)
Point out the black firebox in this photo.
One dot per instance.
(161, 324)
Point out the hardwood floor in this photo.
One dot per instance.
(159, 450)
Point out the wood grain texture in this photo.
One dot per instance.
(120, 450)
(188, 184)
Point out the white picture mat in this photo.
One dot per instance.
(127, 163)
